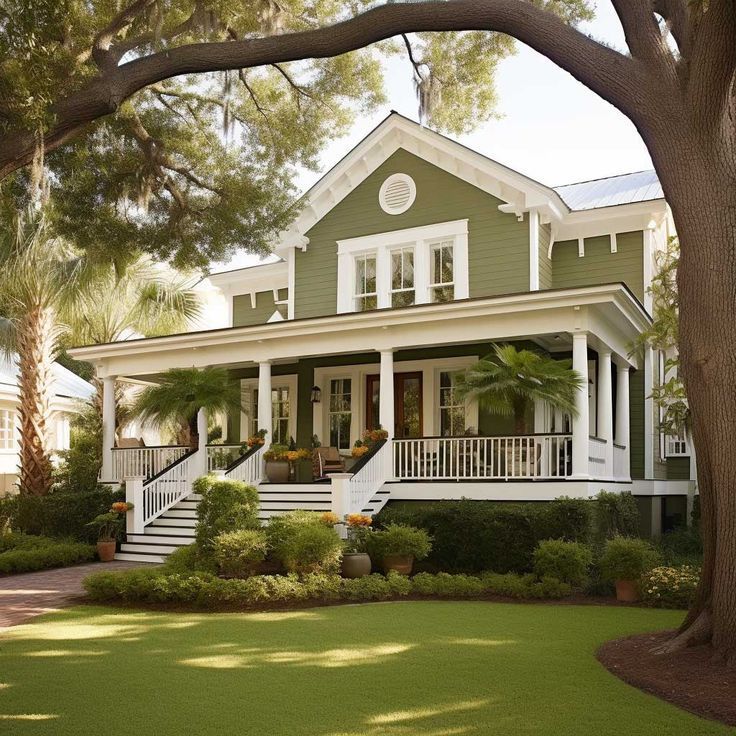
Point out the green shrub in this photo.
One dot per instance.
(627, 558)
(280, 528)
(45, 556)
(401, 540)
(569, 562)
(473, 536)
(206, 591)
(681, 546)
(616, 515)
(670, 587)
(18, 540)
(238, 553)
(226, 506)
(62, 515)
(310, 548)
(188, 559)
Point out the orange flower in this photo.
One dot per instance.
(120, 507)
(358, 520)
(329, 519)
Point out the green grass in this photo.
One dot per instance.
(405, 669)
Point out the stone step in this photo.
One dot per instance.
(153, 549)
(187, 532)
(151, 538)
(140, 557)
(164, 521)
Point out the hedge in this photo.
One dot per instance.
(46, 556)
(208, 591)
(472, 536)
(59, 514)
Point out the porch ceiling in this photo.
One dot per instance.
(610, 315)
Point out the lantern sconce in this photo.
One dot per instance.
(316, 394)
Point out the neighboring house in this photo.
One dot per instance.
(407, 261)
(67, 391)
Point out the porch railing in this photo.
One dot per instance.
(369, 478)
(220, 457)
(248, 467)
(537, 456)
(144, 461)
(596, 457)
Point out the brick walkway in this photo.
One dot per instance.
(34, 593)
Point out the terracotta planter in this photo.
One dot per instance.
(627, 591)
(401, 564)
(106, 550)
(277, 471)
(356, 565)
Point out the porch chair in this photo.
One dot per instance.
(328, 460)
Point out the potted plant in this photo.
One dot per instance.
(623, 563)
(277, 464)
(356, 562)
(301, 461)
(259, 438)
(398, 546)
(108, 528)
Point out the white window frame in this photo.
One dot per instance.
(358, 295)
(350, 411)
(382, 244)
(441, 406)
(433, 283)
(402, 251)
(8, 430)
(249, 385)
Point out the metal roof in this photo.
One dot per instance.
(65, 383)
(641, 186)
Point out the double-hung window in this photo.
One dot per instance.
(280, 413)
(366, 294)
(442, 275)
(452, 406)
(340, 412)
(402, 277)
(7, 429)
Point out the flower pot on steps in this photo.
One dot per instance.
(277, 471)
(106, 550)
(356, 565)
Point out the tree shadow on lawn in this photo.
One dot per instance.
(404, 669)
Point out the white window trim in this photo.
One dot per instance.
(383, 243)
(288, 381)
(403, 290)
(358, 374)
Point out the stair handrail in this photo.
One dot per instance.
(370, 473)
(248, 467)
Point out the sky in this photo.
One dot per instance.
(552, 128)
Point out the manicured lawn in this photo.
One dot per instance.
(410, 668)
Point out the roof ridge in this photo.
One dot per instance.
(604, 178)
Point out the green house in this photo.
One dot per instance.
(407, 261)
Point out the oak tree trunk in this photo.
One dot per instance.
(36, 350)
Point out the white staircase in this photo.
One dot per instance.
(174, 527)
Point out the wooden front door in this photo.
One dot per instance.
(408, 401)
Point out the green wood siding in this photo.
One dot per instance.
(244, 315)
(545, 263)
(599, 265)
(678, 468)
(498, 245)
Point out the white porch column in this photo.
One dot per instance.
(622, 415)
(202, 446)
(605, 408)
(580, 429)
(108, 427)
(265, 411)
(386, 392)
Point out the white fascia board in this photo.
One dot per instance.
(509, 316)
(604, 221)
(267, 277)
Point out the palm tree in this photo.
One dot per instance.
(510, 381)
(49, 294)
(182, 392)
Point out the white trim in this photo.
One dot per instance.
(648, 413)
(581, 247)
(533, 250)
(389, 182)
(382, 244)
(614, 243)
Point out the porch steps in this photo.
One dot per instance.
(175, 527)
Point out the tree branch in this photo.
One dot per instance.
(643, 36)
(622, 81)
(103, 40)
(676, 15)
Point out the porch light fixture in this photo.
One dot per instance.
(316, 394)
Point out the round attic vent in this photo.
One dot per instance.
(397, 194)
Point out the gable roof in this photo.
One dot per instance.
(641, 186)
(65, 383)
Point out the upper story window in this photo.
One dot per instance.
(7, 430)
(402, 277)
(403, 267)
(442, 286)
(366, 296)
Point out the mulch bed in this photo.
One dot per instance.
(688, 678)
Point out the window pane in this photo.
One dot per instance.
(340, 414)
(402, 298)
(396, 270)
(359, 276)
(408, 269)
(370, 275)
(447, 269)
(452, 407)
(443, 294)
